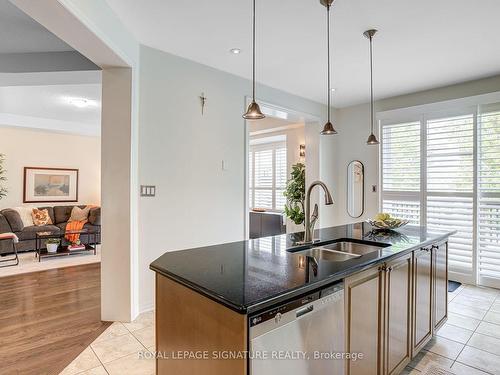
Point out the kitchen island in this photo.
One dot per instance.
(209, 299)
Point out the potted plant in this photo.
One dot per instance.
(52, 244)
(295, 194)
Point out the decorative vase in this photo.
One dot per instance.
(52, 247)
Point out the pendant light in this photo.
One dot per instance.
(372, 139)
(328, 127)
(253, 111)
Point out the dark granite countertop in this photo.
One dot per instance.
(248, 276)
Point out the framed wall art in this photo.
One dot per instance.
(50, 185)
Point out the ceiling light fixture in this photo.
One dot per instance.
(328, 127)
(253, 111)
(235, 51)
(79, 102)
(372, 139)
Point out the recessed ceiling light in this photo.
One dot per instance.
(333, 89)
(79, 102)
(235, 51)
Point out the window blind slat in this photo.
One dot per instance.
(488, 187)
(450, 170)
(267, 175)
(400, 160)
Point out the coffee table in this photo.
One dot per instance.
(62, 250)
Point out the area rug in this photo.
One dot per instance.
(453, 285)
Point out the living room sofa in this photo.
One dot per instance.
(10, 221)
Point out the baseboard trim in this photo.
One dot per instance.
(146, 308)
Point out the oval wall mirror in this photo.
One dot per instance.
(355, 189)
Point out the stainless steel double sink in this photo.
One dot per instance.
(340, 251)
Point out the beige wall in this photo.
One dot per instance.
(34, 148)
(353, 126)
(118, 260)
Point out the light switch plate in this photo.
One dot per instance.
(148, 190)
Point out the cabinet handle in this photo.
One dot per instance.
(426, 249)
(304, 311)
(384, 268)
(435, 247)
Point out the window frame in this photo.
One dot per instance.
(273, 146)
(411, 196)
(423, 113)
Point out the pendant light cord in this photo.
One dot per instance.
(253, 67)
(328, 52)
(371, 84)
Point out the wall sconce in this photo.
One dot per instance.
(302, 152)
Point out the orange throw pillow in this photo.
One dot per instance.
(41, 217)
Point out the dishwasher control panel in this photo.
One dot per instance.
(282, 309)
(327, 295)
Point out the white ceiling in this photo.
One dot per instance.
(38, 97)
(269, 123)
(21, 34)
(52, 102)
(48, 106)
(421, 44)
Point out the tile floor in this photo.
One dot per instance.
(28, 263)
(469, 343)
(118, 350)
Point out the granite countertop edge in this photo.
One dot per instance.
(270, 301)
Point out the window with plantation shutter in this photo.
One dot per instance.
(268, 174)
(401, 170)
(450, 185)
(456, 187)
(489, 195)
(281, 177)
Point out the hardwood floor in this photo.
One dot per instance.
(47, 318)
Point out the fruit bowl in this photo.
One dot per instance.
(385, 221)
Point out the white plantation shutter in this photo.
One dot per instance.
(401, 170)
(489, 195)
(250, 178)
(454, 213)
(450, 185)
(263, 175)
(409, 210)
(263, 198)
(457, 187)
(281, 177)
(268, 168)
(264, 168)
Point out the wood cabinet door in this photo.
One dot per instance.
(364, 302)
(398, 297)
(440, 258)
(422, 299)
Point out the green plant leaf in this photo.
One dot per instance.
(295, 193)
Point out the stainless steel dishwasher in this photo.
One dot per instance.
(300, 337)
